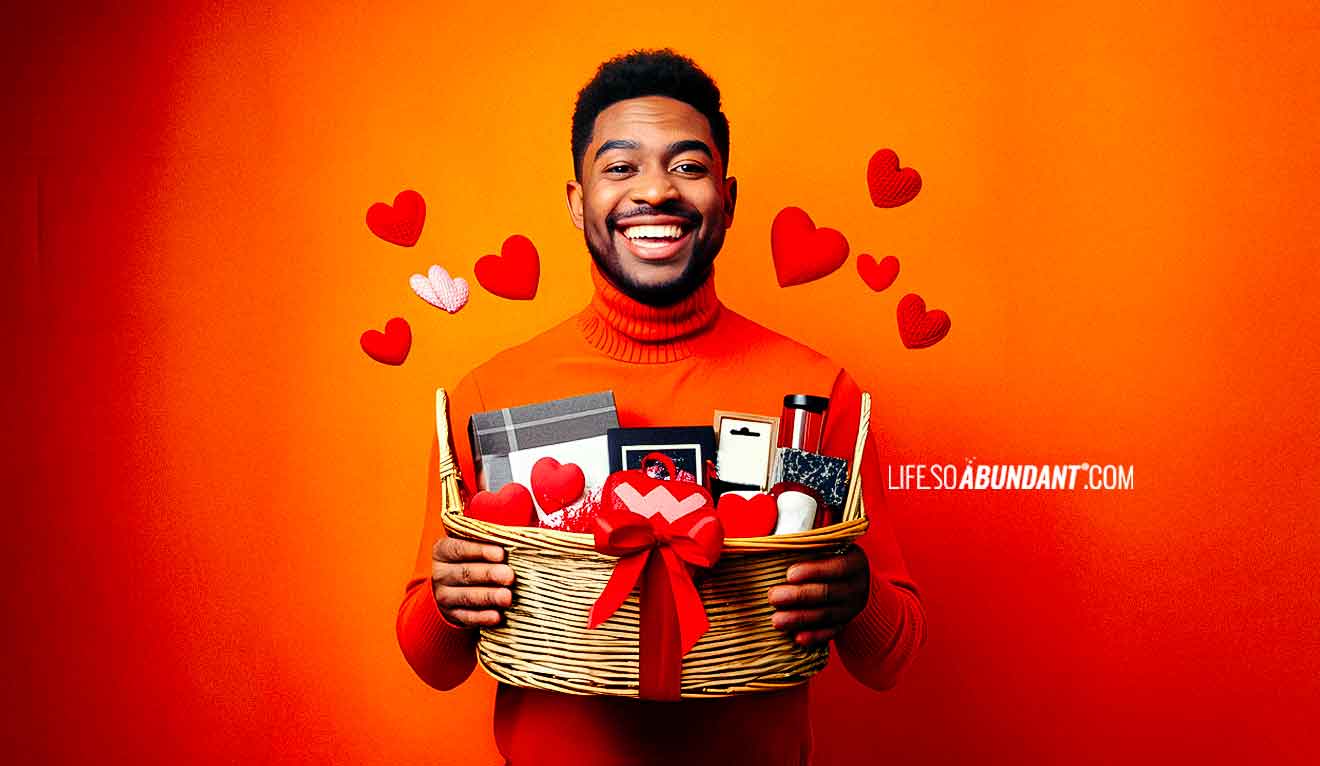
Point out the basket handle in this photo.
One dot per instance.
(448, 466)
(852, 507)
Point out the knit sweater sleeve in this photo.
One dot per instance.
(882, 640)
(442, 654)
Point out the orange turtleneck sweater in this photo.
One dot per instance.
(672, 365)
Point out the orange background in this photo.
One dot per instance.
(219, 495)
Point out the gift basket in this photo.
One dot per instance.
(672, 612)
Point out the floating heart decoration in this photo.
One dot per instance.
(633, 490)
(514, 273)
(556, 486)
(511, 506)
(753, 516)
(440, 290)
(391, 346)
(918, 327)
(890, 186)
(400, 223)
(802, 252)
(877, 276)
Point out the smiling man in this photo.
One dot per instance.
(652, 194)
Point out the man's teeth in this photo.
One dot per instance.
(651, 231)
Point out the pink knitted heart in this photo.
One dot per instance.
(440, 290)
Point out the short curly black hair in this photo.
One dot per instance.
(638, 73)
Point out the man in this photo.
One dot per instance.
(654, 199)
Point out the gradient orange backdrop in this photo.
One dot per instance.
(219, 496)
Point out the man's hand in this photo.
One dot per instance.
(470, 582)
(822, 596)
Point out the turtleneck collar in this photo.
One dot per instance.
(630, 331)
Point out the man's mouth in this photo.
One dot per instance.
(655, 242)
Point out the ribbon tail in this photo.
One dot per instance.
(622, 579)
(692, 620)
(660, 662)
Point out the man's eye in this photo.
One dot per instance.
(690, 167)
(619, 169)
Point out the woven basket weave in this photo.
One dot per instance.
(544, 642)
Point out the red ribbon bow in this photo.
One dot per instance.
(672, 615)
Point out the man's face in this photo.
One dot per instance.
(653, 202)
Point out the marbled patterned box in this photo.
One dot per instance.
(827, 475)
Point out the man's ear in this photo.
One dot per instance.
(730, 199)
(574, 190)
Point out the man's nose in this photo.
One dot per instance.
(653, 186)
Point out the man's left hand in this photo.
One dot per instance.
(822, 596)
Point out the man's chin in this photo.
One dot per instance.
(655, 284)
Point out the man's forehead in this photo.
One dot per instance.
(635, 118)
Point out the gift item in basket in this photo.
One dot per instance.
(570, 430)
(689, 447)
(797, 505)
(826, 475)
(637, 491)
(511, 506)
(747, 513)
(745, 448)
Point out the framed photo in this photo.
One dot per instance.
(688, 446)
(745, 448)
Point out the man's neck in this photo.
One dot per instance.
(631, 331)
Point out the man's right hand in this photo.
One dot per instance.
(470, 582)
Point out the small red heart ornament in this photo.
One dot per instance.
(511, 506)
(514, 273)
(918, 327)
(391, 346)
(890, 186)
(877, 276)
(555, 486)
(753, 516)
(400, 223)
(635, 491)
(802, 252)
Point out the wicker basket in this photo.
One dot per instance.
(544, 642)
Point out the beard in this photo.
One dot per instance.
(695, 272)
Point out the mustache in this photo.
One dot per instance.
(689, 215)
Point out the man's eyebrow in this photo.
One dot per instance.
(686, 145)
(616, 143)
(691, 145)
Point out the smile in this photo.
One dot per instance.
(655, 242)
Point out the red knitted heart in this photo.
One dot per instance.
(514, 273)
(890, 187)
(918, 327)
(400, 223)
(555, 485)
(753, 516)
(803, 253)
(880, 275)
(511, 506)
(391, 346)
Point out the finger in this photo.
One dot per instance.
(473, 618)
(816, 594)
(454, 549)
(832, 568)
(810, 619)
(815, 637)
(471, 573)
(481, 598)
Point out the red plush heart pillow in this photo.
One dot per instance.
(556, 485)
(511, 506)
(753, 516)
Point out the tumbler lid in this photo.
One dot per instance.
(817, 404)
